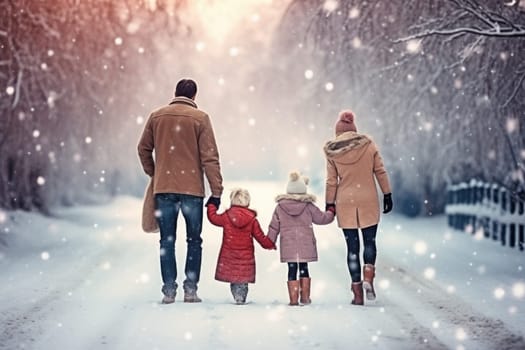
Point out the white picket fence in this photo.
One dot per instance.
(487, 210)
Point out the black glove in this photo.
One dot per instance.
(216, 201)
(387, 203)
(330, 206)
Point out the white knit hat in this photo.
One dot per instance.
(240, 197)
(297, 183)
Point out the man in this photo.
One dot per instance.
(185, 149)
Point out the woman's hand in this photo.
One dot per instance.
(387, 203)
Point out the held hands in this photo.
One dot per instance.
(387, 203)
(215, 201)
(330, 207)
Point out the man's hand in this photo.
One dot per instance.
(215, 201)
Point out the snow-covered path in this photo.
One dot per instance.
(90, 279)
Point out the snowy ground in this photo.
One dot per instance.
(89, 279)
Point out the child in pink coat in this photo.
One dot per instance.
(292, 219)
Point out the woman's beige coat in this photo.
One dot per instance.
(352, 164)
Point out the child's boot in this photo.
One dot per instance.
(293, 292)
(239, 292)
(305, 290)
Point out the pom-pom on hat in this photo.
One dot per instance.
(297, 183)
(240, 197)
(345, 122)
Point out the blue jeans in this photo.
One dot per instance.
(168, 206)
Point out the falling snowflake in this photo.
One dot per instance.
(144, 278)
(88, 140)
(188, 335)
(234, 51)
(141, 50)
(357, 43)
(44, 256)
(40, 180)
(50, 53)
(3, 216)
(458, 84)
(140, 120)
(118, 41)
(354, 13)
(413, 46)
(302, 151)
(308, 74)
(384, 284)
(420, 247)
(221, 81)
(330, 5)
(435, 324)
(106, 265)
(200, 46)
(518, 289)
(36, 133)
(461, 334)
(522, 153)
(329, 86)
(429, 273)
(10, 90)
(512, 125)
(251, 122)
(499, 293)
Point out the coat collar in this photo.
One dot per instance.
(307, 198)
(345, 142)
(183, 100)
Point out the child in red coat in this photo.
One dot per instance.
(236, 262)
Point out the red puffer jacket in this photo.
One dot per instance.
(236, 262)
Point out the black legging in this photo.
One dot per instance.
(352, 245)
(292, 270)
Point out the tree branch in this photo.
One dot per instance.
(502, 32)
(516, 89)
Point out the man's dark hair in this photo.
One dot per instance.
(187, 88)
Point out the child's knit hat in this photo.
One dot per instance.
(297, 183)
(240, 197)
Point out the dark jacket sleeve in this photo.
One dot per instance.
(145, 149)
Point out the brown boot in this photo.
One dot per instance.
(305, 290)
(293, 292)
(357, 289)
(369, 272)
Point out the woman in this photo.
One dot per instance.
(353, 161)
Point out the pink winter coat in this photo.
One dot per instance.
(292, 219)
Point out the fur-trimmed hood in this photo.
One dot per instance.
(240, 216)
(294, 204)
(350, 144)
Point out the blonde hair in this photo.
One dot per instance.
(240, 197)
